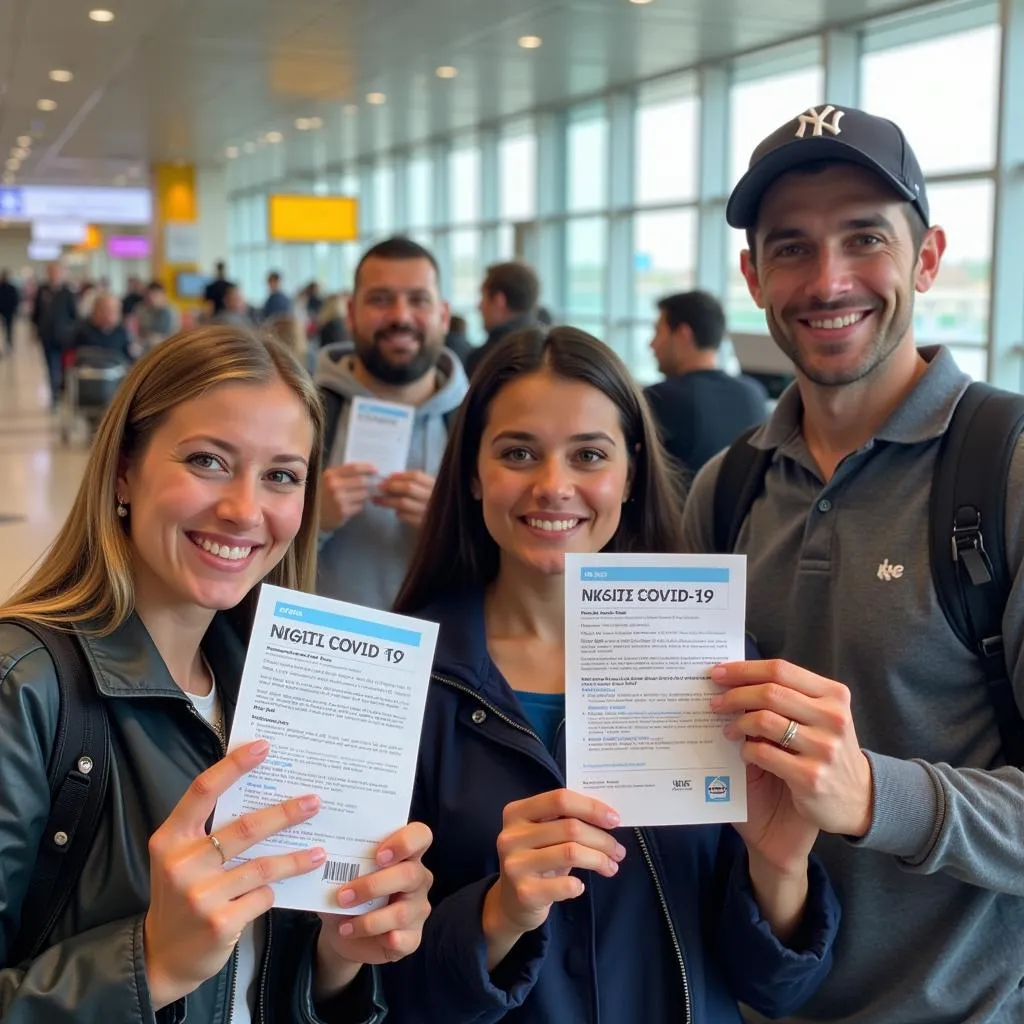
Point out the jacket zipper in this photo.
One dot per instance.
(261, 1005)
(676, 945)
(232, 981)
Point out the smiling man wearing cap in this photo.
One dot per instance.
(872, 710)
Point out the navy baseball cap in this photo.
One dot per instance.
(829, 133)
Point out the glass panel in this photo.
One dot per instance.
(665, 166)
(956, 309)
(421, 181)
(741, 312)
(758, 107)
(588, 164)
(664, 256)
(464, 173)
(640, 359)
(466, 277)
(383, 199)
(951, 126)
(517, 175)
(972, 360)
(586, 242)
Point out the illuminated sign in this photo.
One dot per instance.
(64, 232)
(98, 205)
(300, 218)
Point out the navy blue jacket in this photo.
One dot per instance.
(477, 754)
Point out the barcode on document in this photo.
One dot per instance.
(340, 871)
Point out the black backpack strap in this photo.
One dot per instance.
(332, 403)
(740, 480)
(968, 551)
(78, 773)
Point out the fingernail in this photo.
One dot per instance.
(613, 867)
(716, 701)
(385, 856)
(346, 929)
(318, 856)
(346, 897)
(258, 748)
(581, 888)
(619, 852)
(612, 818)
(718, 672)
(309, 803)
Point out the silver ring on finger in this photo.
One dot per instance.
(220, 849)
(789, 735)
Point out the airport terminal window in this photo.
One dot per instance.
(464, 183)
(757, 107)
(953, 126)
(741, 311)
(956, 309)
(420, 180)
(586, 247)
(664, 257)
(587, 158)
(383, 199)
(517, 177)
(467, 273)
(666, 149)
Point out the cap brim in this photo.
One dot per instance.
(741, 210)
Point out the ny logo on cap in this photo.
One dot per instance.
(819, 122)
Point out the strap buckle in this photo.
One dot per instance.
(969, 547)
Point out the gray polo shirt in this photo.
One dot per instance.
(933, 914)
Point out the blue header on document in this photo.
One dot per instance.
(387, 410)
(653, 574)
(346, 624)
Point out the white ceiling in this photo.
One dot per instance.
(183, 79)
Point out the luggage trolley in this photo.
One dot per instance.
(91, 378)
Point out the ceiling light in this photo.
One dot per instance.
(231, 152)
(446, 71)
(101, 15)
(640, 2)
(376, 98)
(274, 137)
(21, 153)
(250, 147)
(313, 123)
(46, 105)
(530, 42)
(24, 140)
(60, 75)
(302, 123)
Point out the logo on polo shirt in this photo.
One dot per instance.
(819, 121)
(887, 572)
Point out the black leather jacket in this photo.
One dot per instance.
(94, 970)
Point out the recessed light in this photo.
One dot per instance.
(101, 15)
(46, 105)
(231, 152)
(21, 153)
(302, 123)
(530, 42)
(314, 123)
(24, 140)
(60, 75)
(274, 137)
(376, 98)
(250, 147)
(446, 71)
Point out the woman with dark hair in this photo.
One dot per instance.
(543, 910)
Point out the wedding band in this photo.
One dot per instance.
(216, 845)
(789, 735)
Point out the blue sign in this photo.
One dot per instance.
(12, 202)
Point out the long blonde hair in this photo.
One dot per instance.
(85, 579)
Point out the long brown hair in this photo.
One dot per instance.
(85, 578)
(455, 552)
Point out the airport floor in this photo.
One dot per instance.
(39, 475)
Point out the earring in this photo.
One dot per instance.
(122, 508)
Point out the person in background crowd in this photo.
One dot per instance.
(235, 310)
(457, 338)
(331, 325)
(54, 314)
(544, 910)
(508, 302)
(104, 328)
(277, 303)
(10, 299)
(895, 745)
(134, 297)
(369, 526)
(287, 330)
(156, 318)
(700, 408)
(162, 924)
(215, 292)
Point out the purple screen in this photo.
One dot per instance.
(128, 247)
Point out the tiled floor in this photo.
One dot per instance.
(38, 475)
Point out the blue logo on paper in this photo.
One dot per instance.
(716, 789)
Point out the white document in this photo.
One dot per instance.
(642, 633)
(379, 433)
(339, 692)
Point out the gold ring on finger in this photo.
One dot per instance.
(789, 735)
(220, 849)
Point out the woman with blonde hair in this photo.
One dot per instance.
(189, 502)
